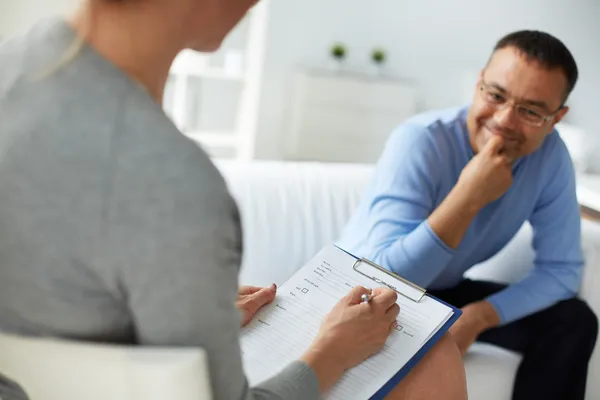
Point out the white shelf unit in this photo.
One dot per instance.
(235, 86)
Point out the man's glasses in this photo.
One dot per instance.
(497, 99)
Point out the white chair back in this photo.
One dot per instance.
(53, 369)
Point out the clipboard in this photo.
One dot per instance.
(416, 294)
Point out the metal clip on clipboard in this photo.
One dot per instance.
(381, 275)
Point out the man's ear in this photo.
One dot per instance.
(479, 79)
(561, 114)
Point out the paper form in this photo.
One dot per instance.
(282, 331)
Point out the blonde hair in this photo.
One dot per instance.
(72, 51)
(69, 55)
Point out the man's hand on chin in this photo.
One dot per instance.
(477, 318)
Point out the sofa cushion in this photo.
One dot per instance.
(490, 371)
(289, 211)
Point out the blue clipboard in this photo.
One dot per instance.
(401, 374)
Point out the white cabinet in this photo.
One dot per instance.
(343, 117)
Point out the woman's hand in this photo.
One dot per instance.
(251, 299)
(352, 332)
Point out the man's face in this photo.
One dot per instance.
(516, 99)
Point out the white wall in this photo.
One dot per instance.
(16, 15)
(433, 42)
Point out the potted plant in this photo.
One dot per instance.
(378, 58)
(338, 53)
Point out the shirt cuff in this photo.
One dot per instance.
(426, 255)
(424, 245)
(440, 243)
(503, 302)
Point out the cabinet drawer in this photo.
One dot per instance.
(345, 118)
(360, 93)
(347, 123)
(314, 147)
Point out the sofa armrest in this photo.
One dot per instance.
(515, 260)
(590, 290)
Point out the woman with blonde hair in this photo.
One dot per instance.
(114, 227)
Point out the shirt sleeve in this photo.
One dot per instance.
(558, 263)
(180, 250)
(404, 187)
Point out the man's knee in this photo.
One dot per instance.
(587, 320)
(579, 312)
(581, 319)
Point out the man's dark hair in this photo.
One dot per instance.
(545, 49)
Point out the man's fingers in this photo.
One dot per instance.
(494, 145)
(503, 160)
(508, 159)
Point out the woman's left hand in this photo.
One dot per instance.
(251, 299)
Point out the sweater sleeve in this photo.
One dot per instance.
(558, 264)
(405, 181)
(180, 248)
(10, 390)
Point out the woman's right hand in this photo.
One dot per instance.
(352, 332)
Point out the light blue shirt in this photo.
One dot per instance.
(422, 161)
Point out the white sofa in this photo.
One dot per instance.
(291, 210)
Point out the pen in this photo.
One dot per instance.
(365, 298)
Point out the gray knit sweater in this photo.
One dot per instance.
(114, 226)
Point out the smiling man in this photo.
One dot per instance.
(453, 187)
